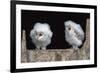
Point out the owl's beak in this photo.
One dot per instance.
(40, 37)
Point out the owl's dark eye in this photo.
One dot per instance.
(40, 34)
(69, 28)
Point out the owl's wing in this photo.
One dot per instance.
(50, 34)
(32, 34)
(79, 32)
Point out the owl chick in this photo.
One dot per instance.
(41, 35)
(74, 34)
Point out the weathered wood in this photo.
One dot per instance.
(23, 48)
(55, 54)
(85, 50)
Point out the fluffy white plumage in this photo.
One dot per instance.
(41, 35)
(74, 34)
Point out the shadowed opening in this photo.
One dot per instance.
(56, 21)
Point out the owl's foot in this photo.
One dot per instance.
(75, 47)
(37, 48)
(43, 48)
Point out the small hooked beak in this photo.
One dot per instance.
(40, 37)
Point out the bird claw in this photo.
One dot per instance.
(75, 48)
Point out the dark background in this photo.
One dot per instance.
(55, 20)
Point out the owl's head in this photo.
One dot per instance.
(42, 31)
(69, 26)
